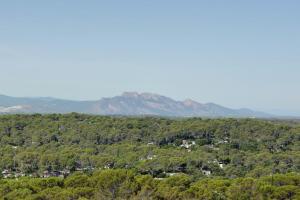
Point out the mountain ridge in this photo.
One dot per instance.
(128, 103)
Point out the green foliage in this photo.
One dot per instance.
(153, 157)
(111, 184)
(126, 184)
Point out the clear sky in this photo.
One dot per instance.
(234, 53)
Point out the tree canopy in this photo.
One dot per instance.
(148, 156)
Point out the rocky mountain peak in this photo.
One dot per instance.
(129, 103)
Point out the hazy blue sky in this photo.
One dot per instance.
(234, 53)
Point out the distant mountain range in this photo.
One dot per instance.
(129, 103)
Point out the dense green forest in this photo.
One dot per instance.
(127, 184)
(102, 157)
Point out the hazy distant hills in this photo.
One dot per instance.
(129, 103)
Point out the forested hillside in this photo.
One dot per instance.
(125, 157)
